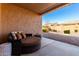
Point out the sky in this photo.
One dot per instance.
(66, 14)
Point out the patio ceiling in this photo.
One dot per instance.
(41, 8)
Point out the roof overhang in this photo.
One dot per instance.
(42, 8)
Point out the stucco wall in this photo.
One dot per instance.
(15, 18)
(0, 22)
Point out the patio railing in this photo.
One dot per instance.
(62, 37)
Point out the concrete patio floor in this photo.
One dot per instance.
(55, 48)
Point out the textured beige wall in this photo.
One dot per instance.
(0, 22)
(15, 18)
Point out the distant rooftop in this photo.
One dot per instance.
(65, 23)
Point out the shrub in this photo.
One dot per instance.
(54, 30)
(44, 30)
(67, 31)
(76, 30)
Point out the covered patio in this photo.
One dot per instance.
(27, 17)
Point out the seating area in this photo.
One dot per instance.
(24, 43)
